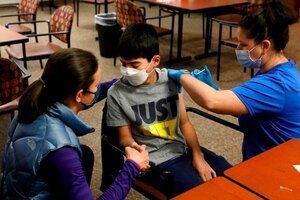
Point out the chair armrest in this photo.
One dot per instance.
(214, 118)
(47, 34)
(25, 72)
(118, 148)
(10, 106)
(17, 14)
(27, 22)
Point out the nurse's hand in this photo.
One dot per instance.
(175, 74)
(204, 76)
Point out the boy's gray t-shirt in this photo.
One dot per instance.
(152, 111)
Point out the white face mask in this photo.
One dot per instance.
(134, 76)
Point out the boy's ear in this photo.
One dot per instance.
(156, 60)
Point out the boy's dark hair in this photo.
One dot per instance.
(139, 40)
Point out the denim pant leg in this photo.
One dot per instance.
(185, 177)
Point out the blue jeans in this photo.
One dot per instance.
(183, 176)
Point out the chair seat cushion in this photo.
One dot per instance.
(162, 31)
(34, 51)
(229, 19)
(20, 29)
(232, 42)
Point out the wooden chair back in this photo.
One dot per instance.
(27, 7)
(128, 12)
(61, 21)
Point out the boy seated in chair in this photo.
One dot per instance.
(146, 108)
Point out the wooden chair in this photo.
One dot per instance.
(13, 82)
(97, 4)
(26, 11)
(59, 26)
(232, 20)
(128, 12)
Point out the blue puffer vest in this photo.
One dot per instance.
(28, 144)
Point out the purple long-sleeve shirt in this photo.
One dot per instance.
(65, 169)
(104, 88)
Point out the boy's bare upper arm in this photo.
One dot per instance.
(182, 109)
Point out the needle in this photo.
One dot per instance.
(200, 72)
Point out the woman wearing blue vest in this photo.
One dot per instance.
(268, 105)
(43, 158)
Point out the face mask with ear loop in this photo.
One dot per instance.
(244, 58)
(97, 94)
(134, 76)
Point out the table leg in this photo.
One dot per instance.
(207, 40)
(24, 55)
(77, 14)
(179, 42)
(105, 6)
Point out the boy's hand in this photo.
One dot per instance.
(204, 169)
(139, 157)
(138, 147)
(176, 74)
(204, 76)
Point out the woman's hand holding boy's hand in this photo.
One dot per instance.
(139, 155)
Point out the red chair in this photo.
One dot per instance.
(59, 25)
(13, 81)
(26, 11)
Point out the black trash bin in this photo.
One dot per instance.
(108, 34)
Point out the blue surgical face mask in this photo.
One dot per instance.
(244, 58)
(97, 94)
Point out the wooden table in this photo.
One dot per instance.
(271, 174)
(217, 189)
(182, 7)
(9, 37)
